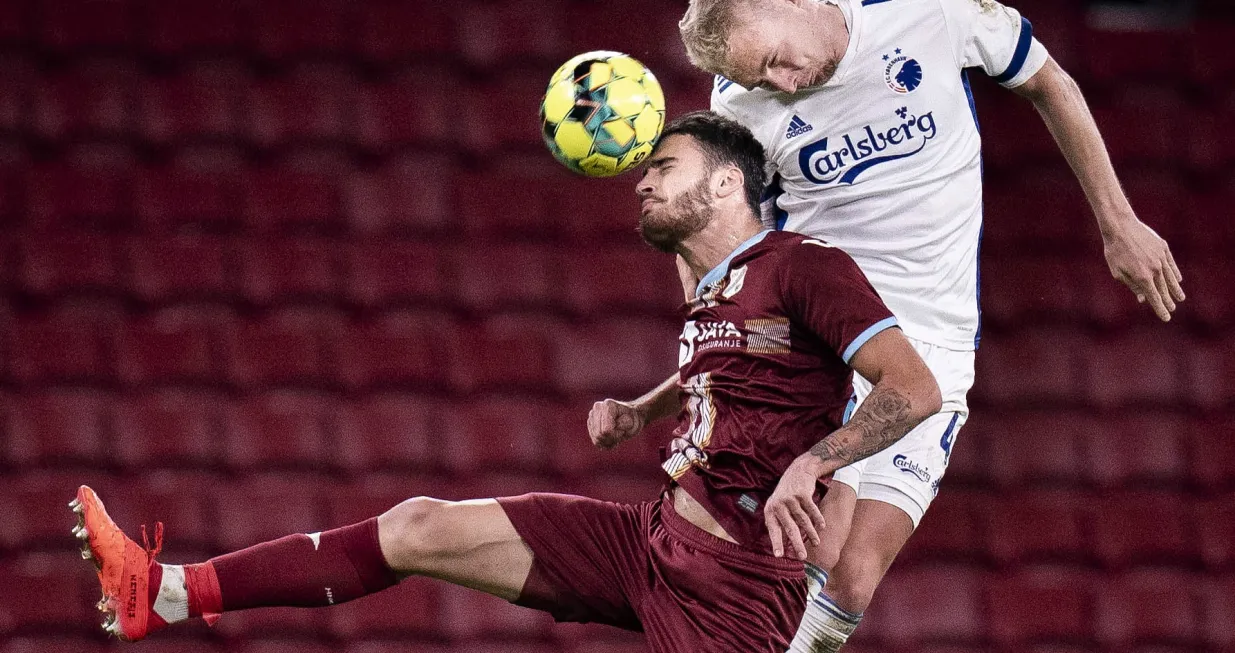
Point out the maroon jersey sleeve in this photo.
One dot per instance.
(826, 292)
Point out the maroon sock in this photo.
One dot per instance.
(344, 564)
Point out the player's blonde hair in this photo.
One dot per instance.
(705, 32)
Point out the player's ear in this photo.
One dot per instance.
(728, 180)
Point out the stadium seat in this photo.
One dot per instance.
(179, 268)
(653, 38)
(261, 508)
(1208, 64)
(58, 262)
(628, 279)
(1218, 613)
(62, 346)
(409, 196)
(290, 347)
(13, 23)
(507, 352)
(467, 615)
(393, 31)
(1212, 452)
(283, 200)
(72, 644)
(1159, 198)
(495, 434)
(595, 211)
(291, 29)
(275, 271)
(290, 645)
(1029, 289)
(1210, 364)
(494, 277)
(191, 27)
(174, 499)
(1037, 525)
(492, 33)
(929, 603)
(626, 355)
(1034, 367)
(1146, 450)
(1146, 527)
(197, 103)
(400, 349)
(1204, 281)
(416, 107)
(1148, 606)
(66, 26)
(411, 609)
(390, 273)
(33, 504)
(1215, 524)
(19, 74)
(502, 112)
(952, 530)
(56, 597)
(1153, 113)
(175, 345)
(1028, 447)
(389, 431)
(518, 202)
(172, 200)
(278, 430)
(1037, 604)
(310, 104)
(91, 99)
(401, 645)
(1037, 207)
(1121, 56)
(59, 196)
(162, 428)
(576, 456)
(1134, 369)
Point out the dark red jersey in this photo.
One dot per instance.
(764, 366)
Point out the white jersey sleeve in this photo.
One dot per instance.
(994, 37)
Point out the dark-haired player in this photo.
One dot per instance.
(773, 331)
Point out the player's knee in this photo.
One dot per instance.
(411, 532)
(854, 580)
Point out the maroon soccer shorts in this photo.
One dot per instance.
(643, 567)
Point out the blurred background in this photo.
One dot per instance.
(272, 266)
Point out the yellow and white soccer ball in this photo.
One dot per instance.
(602, 113)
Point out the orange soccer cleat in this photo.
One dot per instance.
(123, 567)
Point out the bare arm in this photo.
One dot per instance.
(612, 422)
(1136, 255)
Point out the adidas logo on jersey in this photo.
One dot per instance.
(797, 127)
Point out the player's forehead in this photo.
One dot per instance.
(751, 40)
(676, 148)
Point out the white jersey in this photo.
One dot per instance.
(883, 160)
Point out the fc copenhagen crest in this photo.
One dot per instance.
(902, 73)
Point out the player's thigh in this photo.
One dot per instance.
(469, 543)
(837, 508)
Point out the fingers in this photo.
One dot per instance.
(816, 517)
(1147, 292)
(774, 532)
(1164, 290)
(1174, 278)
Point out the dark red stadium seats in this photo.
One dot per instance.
(32, 505)
(82, 644)
(468, 614)
(1028, 289)
(952, 530)
(1148, 606)
(418, 106)
(400, 349)
(1215, 525)
(397, 646)
(62, 346)
(1212, 451)
(1029, 446)
(493, 277)
(55, 263)
(1127, 55)
(176, 345)
(309, 104)
(575, 455)
(93, 98)
(491, 33)
(409, 196)
(58, 195)
(280, 200)
(1205, 281)
(1035, 367)
(291, 347)
(605, 279)
(1218, 612)
(1141, 528)
(179, 268)
(191, 26)
(1038, 206)
(19, 75)
(1136, 368)
(13, 22)
(589, 210)
(507, 352)
(391, 273)
(1154, 115)
(55, 596)
(290, 645)
(282, 270)
(502, 112)
(1037, 525)
(495, 434)
(1209, 367)
(413, 608)
(176, 500)
(1138, 449)
(259, 508)
(928, 603)
(510, 201)
(278, 430)
(179, 200)
(64, 25)
(1208, 63)
(389, 431)
(1041, 604)
(392, 31)
(629, 355)
(653, 39)
(178, 428)
(200, 102)
(291, 28)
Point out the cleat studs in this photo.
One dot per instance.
(82, 534)
(75, 505)
(86, 554)
(101, 606)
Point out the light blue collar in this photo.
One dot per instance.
(717, 273)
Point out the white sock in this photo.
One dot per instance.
(816, 580)
(172, 603)
(825, 627)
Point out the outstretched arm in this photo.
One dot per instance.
(612, 422)
(904, 393)
(1135, 254)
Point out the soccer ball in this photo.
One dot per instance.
(602, 113)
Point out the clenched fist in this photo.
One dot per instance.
(612, 422)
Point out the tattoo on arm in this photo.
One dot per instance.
(880, 421)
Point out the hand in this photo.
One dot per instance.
(612, 422)
(1139, 258)
(791, 513)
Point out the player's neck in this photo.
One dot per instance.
(706, 249)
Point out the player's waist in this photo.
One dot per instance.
(692, 511)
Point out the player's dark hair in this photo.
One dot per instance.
(725, 141)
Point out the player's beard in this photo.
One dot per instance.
(665, 227)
